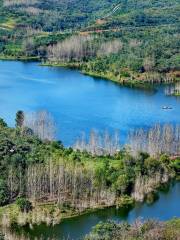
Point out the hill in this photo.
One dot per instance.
(126, 41)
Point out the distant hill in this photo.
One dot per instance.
(54, 15)
(126, 38)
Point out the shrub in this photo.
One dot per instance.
(125, 74)
(24, 204)
(2, 123)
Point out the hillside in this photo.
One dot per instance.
(61, 15)
(126, 41)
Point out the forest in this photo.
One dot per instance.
(129, 42)
(37, 170)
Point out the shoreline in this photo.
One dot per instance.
(126, 83)
(138, 84)
(51, 214)
(12, 211)
(123, 81)
(47, 220)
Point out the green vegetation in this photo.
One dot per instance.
(130, 42)
(124, 201)
(38, 174)
(50, 214)
(150, 230)
(24, 205)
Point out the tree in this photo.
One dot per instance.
(42, 124)
(4, 194)
(2, 123)
(122, 183)
(20, 119)
(24, 204)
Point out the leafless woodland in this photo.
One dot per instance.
(42, 124)
(157, 140)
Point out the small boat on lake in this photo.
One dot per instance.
(166, 108)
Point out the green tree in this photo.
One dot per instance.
(19, 119)
(24, 204)
(2, 123)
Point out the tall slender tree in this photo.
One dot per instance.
(20, 119)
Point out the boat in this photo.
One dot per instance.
(166, 108)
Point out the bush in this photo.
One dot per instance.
(176, 164)
(2, 123)
(125, 201)
(24, 204)
(125, 74)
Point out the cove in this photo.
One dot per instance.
(165, 208)
(80, 103)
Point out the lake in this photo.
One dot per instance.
(165, 208)
(80, 103)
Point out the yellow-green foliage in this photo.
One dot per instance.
(49, 214)
(173, 229)
(125, 201)
(8, 24)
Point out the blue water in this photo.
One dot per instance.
(80, 103)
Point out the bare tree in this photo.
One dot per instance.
(42, 124)
(110, 47)
(99, 144)
(74, 48)
(156, 140)
(149, 64)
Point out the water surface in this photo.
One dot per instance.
(78, 102)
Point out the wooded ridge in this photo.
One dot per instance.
(137, 42)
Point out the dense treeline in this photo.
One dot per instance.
(138, 41)
(42, 170)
